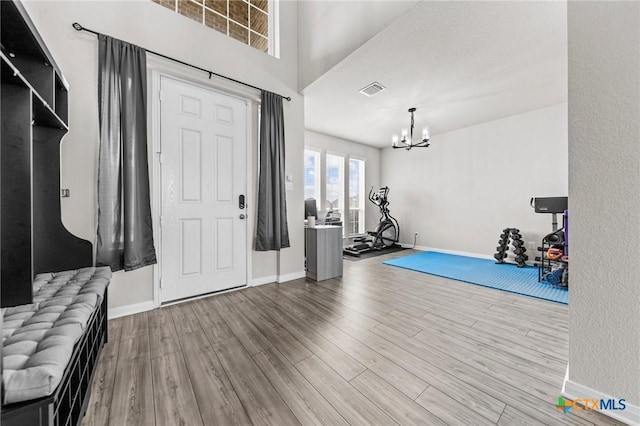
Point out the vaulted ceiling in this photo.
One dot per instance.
(459, 63)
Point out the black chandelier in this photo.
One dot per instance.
(406, 141)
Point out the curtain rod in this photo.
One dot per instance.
(79, 27)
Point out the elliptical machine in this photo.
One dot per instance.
(387, 232)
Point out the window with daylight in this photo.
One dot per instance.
(248, 21)
(335, 184)
(355, 221)
(312, 176)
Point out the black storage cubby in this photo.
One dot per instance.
(15, 178)
(34, 114)
(61, 104)
(48, 230)
(25, 50)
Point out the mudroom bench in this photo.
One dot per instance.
(50, 348)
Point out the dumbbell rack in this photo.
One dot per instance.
(546, 265)
(511, 241)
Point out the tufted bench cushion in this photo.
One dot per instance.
(70, 283)
(38, 339)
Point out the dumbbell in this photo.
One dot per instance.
(500, 257)
(519, 250)
(503, 241)
(521, 258)
(502, 249)
(517, 243)
(504, 236)
(516, 237)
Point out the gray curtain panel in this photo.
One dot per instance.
(125, 233)
(271, 232)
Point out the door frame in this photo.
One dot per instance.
(157, 68)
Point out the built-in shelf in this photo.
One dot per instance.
(34, 116)
(44, 116)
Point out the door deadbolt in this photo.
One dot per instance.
(242, 216)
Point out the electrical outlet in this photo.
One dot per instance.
(532, 245)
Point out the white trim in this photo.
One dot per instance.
(197, 77)
(345, 189)
(201, 296)
(630, 415)
(273, 18)
(357, 157)
(135, 308)
(566, 379)
(159, 68)
(278, 278)
(264, 280)
(317, 179)
(291, 276)
(156, 201)
(363, 208)
(310, 148)
(248, 195)
(439, 250)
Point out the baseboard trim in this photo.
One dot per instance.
(134, 308)
(264, 280)
(630, 415)
(459, 253)
(278, 278)
(291, 276)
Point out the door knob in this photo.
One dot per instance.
(242, 216)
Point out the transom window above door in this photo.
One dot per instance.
(248, 21)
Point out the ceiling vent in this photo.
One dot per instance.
(372, 89)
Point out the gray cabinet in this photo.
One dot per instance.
(324, 252)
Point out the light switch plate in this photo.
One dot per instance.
(289, 186)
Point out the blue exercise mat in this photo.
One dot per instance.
(483, 272)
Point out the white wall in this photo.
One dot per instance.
(325, 143)
(459, 193)
(604, 189)
(159, 29)
(331, 30)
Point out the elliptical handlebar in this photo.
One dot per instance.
(379, 198)
(373, 196)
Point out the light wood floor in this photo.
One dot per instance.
(380, 346)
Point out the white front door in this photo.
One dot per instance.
(203, 137)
